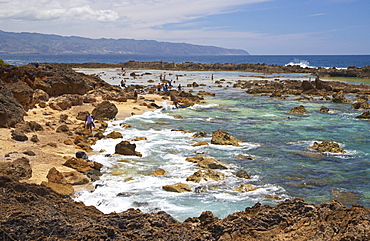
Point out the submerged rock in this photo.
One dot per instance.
(365, 115)
(298, 110)
(246, 188)
(327, 146)
(206, 175)
(324, 109)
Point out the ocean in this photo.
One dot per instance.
(281, 165)
(325, 61)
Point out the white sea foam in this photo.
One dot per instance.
(199, 106)
(302, 63)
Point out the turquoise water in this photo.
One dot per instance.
(283, 166)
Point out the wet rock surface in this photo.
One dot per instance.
(35, 212)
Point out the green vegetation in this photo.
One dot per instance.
(348, 79)
(2, 62)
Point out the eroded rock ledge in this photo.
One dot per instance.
(35, 212)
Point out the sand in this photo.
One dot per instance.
(55, 154)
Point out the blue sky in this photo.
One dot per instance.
(261, 27)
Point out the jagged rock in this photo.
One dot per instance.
(246, 188)
(307, 85)
(40, 95)
(99, 135)
(212, 163)
(19, 168)
(206, 175)
(158, 172)
(82, 115)
(365, 115)
(114, 135)
(200, 134)
(82, 131)
(11, 111)
(360, 105)
(324, 109)
(34, 212)
(82, 165)
(105, 110)
(126, 148)
(75, 178)
(178, 187)
(339, 98)
(19, 136)
(327, 146)
(65, 101)
(55, 176)
(220, 137)
(298, 110)
(242, 174)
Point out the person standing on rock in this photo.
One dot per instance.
(89, 122)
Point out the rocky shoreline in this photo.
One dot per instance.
(350, 71)
(42, 113)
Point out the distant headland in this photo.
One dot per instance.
(36, 43)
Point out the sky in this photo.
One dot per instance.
(261, 27)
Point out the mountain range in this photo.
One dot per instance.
(36, 43)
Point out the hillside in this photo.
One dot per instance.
(35, 43)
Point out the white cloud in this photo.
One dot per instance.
(41, 10)
(316, 14)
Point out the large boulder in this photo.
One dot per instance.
(19, 168)
(114, 135)
(221, 137)
(105, 110)
(126, 148)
